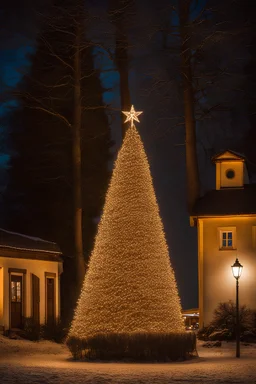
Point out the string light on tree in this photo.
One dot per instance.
(130, 285)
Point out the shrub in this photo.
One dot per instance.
(135, 347)
(222, 334)
(203, 333)
(212, 344)
(254, 319)
(223, 325)
(31, 329)
(55, 332)
(225, 317)
(249, 336)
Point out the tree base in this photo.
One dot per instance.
(134, 347)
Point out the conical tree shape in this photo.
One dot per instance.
(130, 286)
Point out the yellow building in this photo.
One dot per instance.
(226, 225)
(30, 271)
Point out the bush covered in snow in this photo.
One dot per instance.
(55, 332)
(135, 347)
(33, 331)
(223, 325)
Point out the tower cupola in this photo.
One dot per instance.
(231, 170)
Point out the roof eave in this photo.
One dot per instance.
(30, 249)
(196, 216)
(216, 158)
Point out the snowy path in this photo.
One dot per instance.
(45, 362)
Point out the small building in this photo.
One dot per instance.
(191, 318)
(30, 270)
(226, 223)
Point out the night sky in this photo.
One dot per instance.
(161, 132)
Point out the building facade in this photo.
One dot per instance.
(226, 225)
(30, 270)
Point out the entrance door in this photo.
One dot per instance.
(50, 302)
(35, 299)
(16, 301)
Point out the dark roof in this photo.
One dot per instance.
(229, 201)
(15, 240)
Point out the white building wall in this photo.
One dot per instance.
(216, 279)
(36, 267)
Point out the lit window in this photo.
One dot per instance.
(227, 238)
(16, 291)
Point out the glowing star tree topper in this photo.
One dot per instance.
(130, 286)
(132, 115)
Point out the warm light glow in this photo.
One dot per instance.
(237, 269)
(130, 285)
(132, 115)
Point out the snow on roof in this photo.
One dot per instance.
(26, 236)
(9, 239)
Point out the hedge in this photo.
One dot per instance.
(135, 347)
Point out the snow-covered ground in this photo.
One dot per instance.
(28, 362)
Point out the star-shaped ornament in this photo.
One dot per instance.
(132, 115)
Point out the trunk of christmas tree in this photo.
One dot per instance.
(193, 183)
(77, 181)
(122, 62)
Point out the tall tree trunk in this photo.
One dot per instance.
(122, 61)
(77, 182)
(193, 182)
(122, 66)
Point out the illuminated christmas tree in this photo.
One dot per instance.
(130, 285)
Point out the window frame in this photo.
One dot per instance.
(222, 230)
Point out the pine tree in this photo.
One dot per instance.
(40, 194)
(130, 285)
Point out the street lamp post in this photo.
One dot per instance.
(237, 271)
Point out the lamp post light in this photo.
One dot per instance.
(237, 271)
